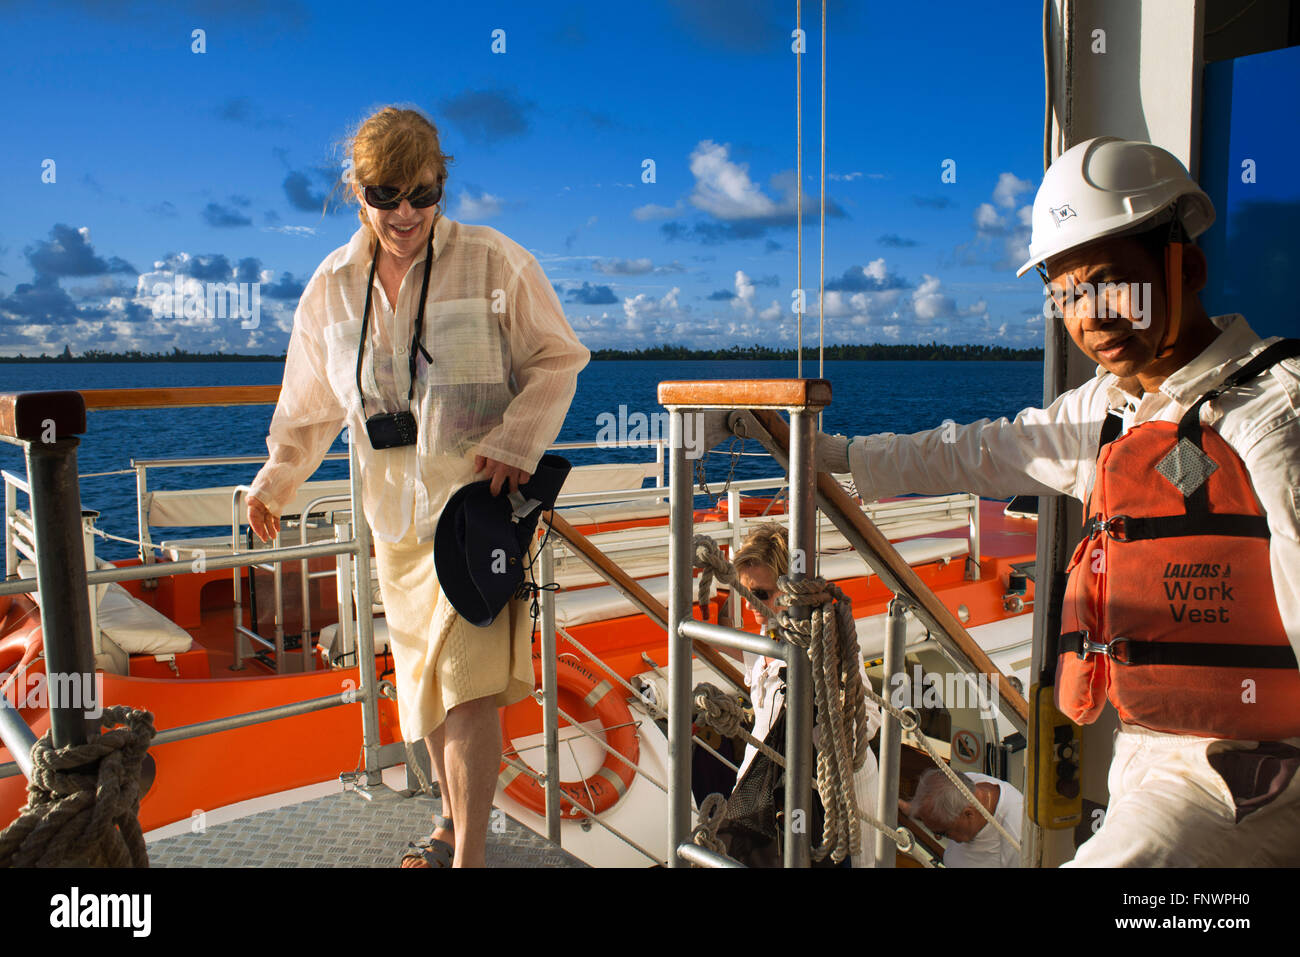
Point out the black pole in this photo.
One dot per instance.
(61, 580)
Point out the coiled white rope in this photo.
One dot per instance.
(830, 639)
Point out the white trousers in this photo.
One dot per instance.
(1170, 808)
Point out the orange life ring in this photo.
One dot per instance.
(583, 695)
(17, 652)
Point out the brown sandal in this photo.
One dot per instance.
(433, 852)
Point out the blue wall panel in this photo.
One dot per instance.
(1251, 106)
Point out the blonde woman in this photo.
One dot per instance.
(761, 561)
(444, 350)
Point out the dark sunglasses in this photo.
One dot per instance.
(390, 197)
(762, 594)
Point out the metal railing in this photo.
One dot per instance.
(354, 551)
(54, 493)
(683, 628)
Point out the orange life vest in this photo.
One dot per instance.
(1169, 610)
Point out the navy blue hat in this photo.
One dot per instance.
(481, 545)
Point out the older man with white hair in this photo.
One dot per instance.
(946, 811)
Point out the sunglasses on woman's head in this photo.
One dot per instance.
(390, 197)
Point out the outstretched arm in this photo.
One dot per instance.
(1041, 452)
(307, 419)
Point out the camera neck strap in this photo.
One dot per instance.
(417, 340)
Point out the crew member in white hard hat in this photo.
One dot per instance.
(1206, 682)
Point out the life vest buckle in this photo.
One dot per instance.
(1108, 649)
(1114, 527)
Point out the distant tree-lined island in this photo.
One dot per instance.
(876, 350)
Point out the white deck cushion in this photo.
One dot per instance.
(138, 629)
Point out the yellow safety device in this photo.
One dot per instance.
(1055, 799)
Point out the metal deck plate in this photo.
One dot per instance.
(343, 830)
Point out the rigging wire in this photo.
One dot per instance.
(798, 184)
(821, 275)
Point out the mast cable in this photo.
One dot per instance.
(798, 186)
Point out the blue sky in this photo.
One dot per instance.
(176, 166)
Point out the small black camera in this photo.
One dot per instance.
(390, 430)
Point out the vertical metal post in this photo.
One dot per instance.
(305, 575)
(681, 519)
(973, 565)
(88, 517)
(891, 733)
(550, 702)
(142, 513)
(799, 688)
(61, 580)
(11, 549)
(345, 642)
(365, 627)
(277, 603)
(237, 598)
(733, 513)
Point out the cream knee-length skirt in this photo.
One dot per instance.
(439, 659)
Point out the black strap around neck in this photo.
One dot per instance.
(1189, 426)
(417, 340)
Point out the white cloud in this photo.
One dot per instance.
(475, 207)
(1008, 188)
(1000, 227)
(987, 218)
(652, 211)
(624, 267)
(642, 306)
(291, 230)
(723, 188)
(928, 302)
(744, 300)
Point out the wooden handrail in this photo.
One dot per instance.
(636, 593)
(46, 416)
(180, 397)
(883, 557)
(746, 393)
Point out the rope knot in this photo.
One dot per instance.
(83, 800)
(719, 710)
(705, 833)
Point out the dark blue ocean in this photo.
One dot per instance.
(867, 397)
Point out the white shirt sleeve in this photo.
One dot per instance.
(307, 416)
(1274, 466)
(545, 359)
(1042, 452)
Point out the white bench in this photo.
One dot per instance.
(207, 507)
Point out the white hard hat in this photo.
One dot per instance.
(1106, 186)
